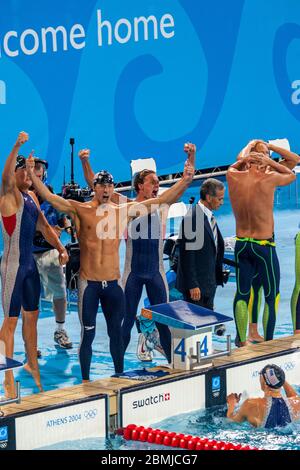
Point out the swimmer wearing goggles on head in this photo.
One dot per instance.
(273, 410)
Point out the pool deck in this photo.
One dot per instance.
(111, 386)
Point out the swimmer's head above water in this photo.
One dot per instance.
(272, 376)
(103, 182)
(23, 181)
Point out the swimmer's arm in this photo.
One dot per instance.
(8, 174)
(290, 159)
(138, 209)
(118, 198)
(236, 167)
(89, 177)
(249, 147)
(289, 390)
(63, 205)
(283, 175)
(240, 415)
(84, 156)
(51, 237)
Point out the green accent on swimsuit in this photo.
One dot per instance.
(241, 318)
(296, 290)
(265, 242)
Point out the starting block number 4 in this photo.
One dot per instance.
(180, 349)
(184, 346)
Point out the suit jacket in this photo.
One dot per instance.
(200, 267)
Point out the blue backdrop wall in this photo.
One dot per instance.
(132, 78)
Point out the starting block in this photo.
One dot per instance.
(9, 364)
(191, 328)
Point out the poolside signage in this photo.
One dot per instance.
(215, 387)
(244, 378)
(7, 434)
(146, 405)
(81, 420)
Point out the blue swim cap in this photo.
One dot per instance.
(273, 375)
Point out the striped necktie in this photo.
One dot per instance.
(214, 229)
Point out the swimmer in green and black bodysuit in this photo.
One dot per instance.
(252, 181)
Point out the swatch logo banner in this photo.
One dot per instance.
(151, 400)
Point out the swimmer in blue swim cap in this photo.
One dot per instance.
(273, 410)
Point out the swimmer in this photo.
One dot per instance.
(271, 411)
(20, 218)
(295, 300)
(100, 225)
(252, 181)
(143, 258)
(290, 160)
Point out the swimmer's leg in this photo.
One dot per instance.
(88, 302)
(295, 300)
(244, 274)
(254, 310)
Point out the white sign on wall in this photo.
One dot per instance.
(152, 404)
(79, 421)
(245, 378)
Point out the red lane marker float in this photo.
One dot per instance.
(132, 432)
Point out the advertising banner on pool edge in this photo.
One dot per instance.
(131, 78)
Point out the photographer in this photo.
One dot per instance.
(46, 257)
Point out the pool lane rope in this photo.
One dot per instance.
(132, 432)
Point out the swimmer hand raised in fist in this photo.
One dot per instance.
(84, 154)
(189, 167)
(22, 138)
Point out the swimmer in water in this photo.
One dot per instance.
(273, 410)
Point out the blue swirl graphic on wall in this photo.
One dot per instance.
(285, 35)
(131, 139)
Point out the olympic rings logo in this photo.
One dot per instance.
(90, 414)
(288, 366)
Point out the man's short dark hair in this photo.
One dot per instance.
(210, 187)
(139, 178)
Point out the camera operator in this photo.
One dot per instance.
(46, 257)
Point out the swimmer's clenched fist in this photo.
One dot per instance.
(84, 154)
(189, 167)
(22, 138)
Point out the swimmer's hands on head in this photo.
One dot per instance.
(249, 147)
(84, 154)
(22, 138)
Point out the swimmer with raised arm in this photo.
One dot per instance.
(100, 225)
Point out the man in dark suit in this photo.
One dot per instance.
(201, 248)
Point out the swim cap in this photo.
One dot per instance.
(103, 177)
(273, 375)
(21, 162)
(43, 162)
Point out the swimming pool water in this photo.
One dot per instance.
(210, 423)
